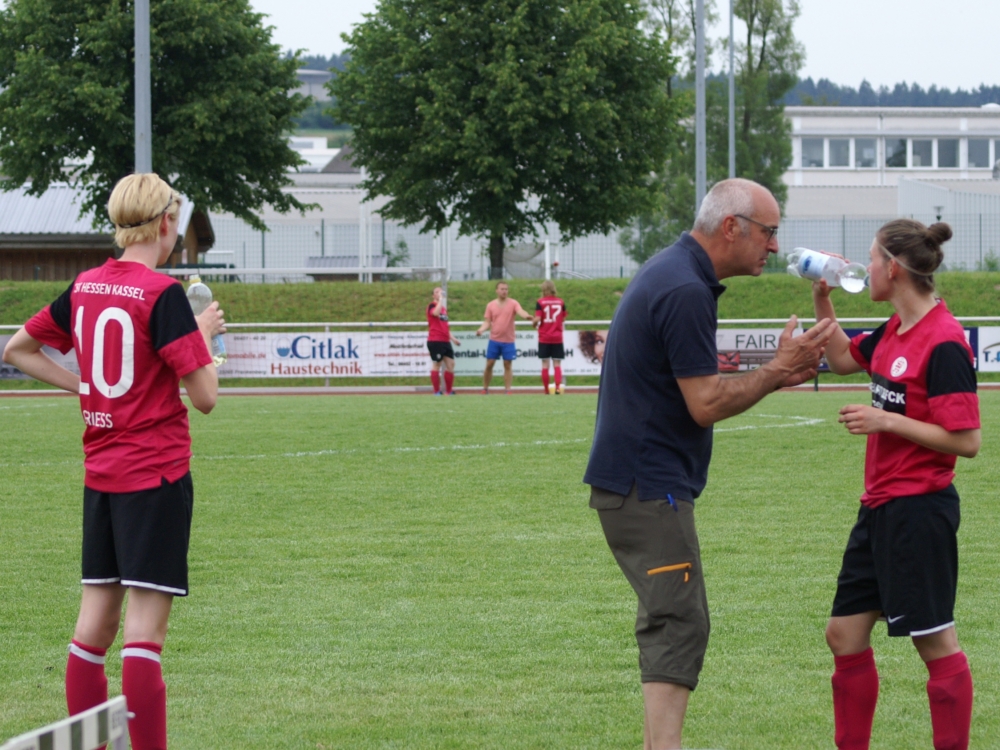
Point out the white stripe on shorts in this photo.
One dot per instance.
(154, 587)
(93, 581)
(142, 653)
(938, 629)
(85, 655)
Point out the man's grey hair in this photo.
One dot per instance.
(726, 198)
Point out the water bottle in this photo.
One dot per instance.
(200, 297)
(815, 265)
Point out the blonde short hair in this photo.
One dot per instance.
(548, 288)
(136, 204)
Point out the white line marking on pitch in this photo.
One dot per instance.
(797, 422)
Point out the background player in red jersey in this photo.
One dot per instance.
(439, 341)
(550, 317)
(901, 561)
(135, 336)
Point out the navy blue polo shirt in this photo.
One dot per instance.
(664, 329)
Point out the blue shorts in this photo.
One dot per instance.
(498, 349)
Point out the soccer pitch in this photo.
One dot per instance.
(419, 572)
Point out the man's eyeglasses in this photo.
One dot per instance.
(768, 230)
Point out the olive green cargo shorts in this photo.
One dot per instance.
(656, 546)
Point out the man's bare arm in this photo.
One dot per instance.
(712, 398)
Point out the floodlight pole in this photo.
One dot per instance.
(700, 178)
(732, 98)
(143, 99)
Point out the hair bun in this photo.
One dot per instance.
(939, 233)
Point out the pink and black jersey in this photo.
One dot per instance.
(926, 374)
(552, 311)
(437, 325)
(135, 337)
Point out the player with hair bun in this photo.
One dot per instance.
(135, 337)
(901, 561)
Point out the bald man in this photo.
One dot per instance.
(661, 362)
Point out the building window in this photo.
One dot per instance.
(979, 153)
(812, 152)
(840, 152)
(947, 153)
(895, 152)
(864, 152)
(923, 153)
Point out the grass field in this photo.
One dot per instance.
(417, 572)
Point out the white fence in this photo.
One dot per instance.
(106, 724)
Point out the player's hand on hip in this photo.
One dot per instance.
(860, 419)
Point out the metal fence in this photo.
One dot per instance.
(974, 246)
(291, 243)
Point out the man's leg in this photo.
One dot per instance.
(508, 374)
(488, 375)
(665, 706)
(855, 679)
(142, 676)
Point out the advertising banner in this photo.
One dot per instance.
(338, 355)
(7, 372)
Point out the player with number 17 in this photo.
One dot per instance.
(135, 337)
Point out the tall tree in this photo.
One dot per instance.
(220, 98)
(768, 61)
(503, 115)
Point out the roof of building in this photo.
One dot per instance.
(57, 212)
(342, 163)
(986, 110)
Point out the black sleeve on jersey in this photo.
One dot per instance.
(868, 344)
(949, 370)
(538, 305)
(61, 309)
(171, 318)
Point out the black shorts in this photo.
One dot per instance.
(440, 349)
(551, 351)
(139, 538)
(902, 560)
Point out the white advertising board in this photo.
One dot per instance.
(356, 355)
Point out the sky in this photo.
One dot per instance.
(950, 44)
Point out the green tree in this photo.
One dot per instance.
(220, 101)
(768, 61)
(503, 115)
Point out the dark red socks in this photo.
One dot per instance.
(436, 380)
(949, 690)
(86, 685)
(449, 381)
(855, 693)
(142, 684)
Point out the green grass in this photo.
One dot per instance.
(418, 572)
(771, 296)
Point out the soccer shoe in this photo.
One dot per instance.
(508, 391)
(450, 393)
(485, 392)
(560, 390)
(438, 393)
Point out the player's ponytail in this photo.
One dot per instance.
(916, 248)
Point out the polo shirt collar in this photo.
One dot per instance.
(704, 263)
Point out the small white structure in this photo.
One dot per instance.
(314, 150)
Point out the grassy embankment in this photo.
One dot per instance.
(771, 296)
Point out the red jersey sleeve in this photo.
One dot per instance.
(52, 325)
(863, 347)
(175, 334)
(951, 387)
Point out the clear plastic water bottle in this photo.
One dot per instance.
(200, 297)
(815, 265)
